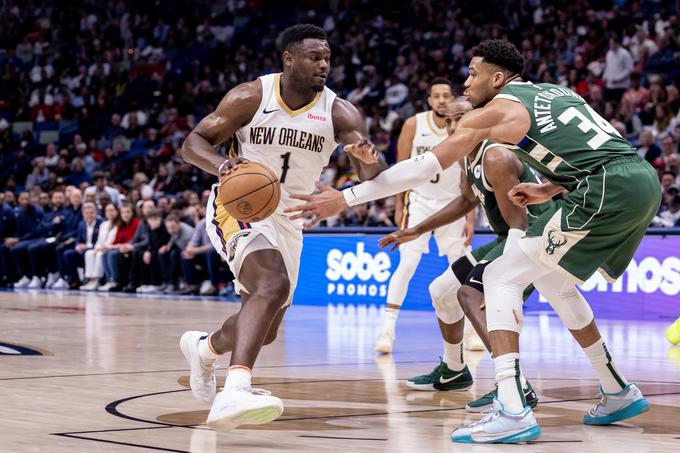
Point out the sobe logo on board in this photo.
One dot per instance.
(649, 275)
(357, 273)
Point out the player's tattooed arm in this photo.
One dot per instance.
(350, 130)
(502, 169)
(235, 110)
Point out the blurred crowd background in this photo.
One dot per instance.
(97, 97)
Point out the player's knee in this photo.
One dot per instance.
(276, 290)
(438, 288)
(468, 296)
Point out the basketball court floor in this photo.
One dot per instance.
(111, 378)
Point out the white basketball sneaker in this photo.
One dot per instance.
(385, 342)
(238, 406)
(614, 407)
(500, 427)
(471, 340)
(202, 379)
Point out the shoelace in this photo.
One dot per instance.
(487, 418)
(437, 369)
(208, 368)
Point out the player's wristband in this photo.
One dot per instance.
(221, 167)
(402, 176)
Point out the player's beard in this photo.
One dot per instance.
(438, 115)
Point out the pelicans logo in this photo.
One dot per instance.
(15, 349)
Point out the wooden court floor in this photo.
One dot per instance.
(112, 379)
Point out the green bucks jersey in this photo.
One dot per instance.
(567, 140)
(474, 168)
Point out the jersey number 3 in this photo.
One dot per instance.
(284, 167)
(603, 130)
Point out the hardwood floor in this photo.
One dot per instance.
(111, 378)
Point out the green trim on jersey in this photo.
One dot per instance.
(567, 140)
(474, 169)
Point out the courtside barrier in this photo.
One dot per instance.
(346, 266)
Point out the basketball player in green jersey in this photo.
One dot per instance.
(490, 172)
(613, 195)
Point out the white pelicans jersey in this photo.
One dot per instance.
(294, 144)
(445, 185)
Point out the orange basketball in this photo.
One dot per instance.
(250, 193)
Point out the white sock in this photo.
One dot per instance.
(611, 380)
(391, 315)
(238, 377)
(509, 388)
(453, 355)
(205, 352)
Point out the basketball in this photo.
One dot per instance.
(251, 192)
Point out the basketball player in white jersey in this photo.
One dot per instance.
(291, 123)
(419, 134)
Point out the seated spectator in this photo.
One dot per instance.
(170, 253)
(670, 217)
(28, 219)
(648, 149)
(131, 252)
(45, 238)
(66, 238)
(127, 227)
(665, 161)
(200, 259)
(94, 258)
(100, 187)
(147, 263)
(664, 120)
(7, 229)
(88, 234)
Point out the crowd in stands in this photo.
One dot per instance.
(96, 99)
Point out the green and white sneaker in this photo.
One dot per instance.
(443, 379)
(485, 403)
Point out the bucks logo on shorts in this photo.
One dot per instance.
(555, 241)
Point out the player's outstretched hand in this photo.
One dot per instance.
(231, 164)
(328, 202)
(526, 193)
(397, 238)
(364, 151)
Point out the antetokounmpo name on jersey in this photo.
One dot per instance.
(284, 136)
(543, 104)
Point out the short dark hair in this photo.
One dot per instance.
(439, 81)
(502, 53)
(154, 214)
(172, 218)
(292, 36)
(98, 175)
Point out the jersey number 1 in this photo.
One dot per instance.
(284, 168)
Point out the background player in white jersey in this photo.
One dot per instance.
(292, 123)
(420, 134)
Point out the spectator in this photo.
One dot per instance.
(147, 262)
(636, 94)
(131, 253)
(94, 258)
(126, 230)
(664, 120)
(88, 234)
(101, 186)
(7, 230)
(170, 253)
(618, 67)
(648, 149)
(200, 258)
(28, 219)
(38, 252)
(66, 238)
(671, 216)
(669, 151)
(631, 122)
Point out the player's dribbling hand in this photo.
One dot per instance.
(397, 238)
(527, 193)
(328, 202)
(231, 164)
(364, 151)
